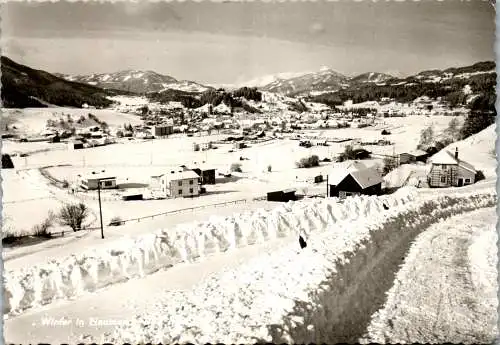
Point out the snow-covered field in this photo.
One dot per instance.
(32, 121)
(405, 132)
(22, 200)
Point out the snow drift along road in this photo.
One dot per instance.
(322, 294)
(132, 257)
(446, 290)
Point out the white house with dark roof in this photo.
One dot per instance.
(96, 180)
(179, 183)
(448, 170)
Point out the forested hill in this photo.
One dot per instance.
(472, 86)
(23, 87)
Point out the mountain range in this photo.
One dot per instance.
(23, 86)
(290, 84)
(135, 81)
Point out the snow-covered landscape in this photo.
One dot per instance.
(185, 198)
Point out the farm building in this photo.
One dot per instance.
(93, 180)
(413, 156)
(282, 195)
(180, 184)
(354, 179)
(7, 162)
(162, 130)
(75, 145)
(448, 170)
(206, 174)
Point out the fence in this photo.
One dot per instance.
(138, 219)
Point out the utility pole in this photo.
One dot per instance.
(327, 185)
(100, 209)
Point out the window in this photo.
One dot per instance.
(180, 183)
(443, 167)
(180, 191)
(108, 183)
(190, 181)
(443, 179)
(191, 190)
(467, 180)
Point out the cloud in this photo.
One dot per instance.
(11, 47)
(316, 28)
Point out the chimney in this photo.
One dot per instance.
(456, 152)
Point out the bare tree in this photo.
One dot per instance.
(73, 215)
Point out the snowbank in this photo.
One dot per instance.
(322, 294)
(135, 257)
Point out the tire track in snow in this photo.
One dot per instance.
(415, 311)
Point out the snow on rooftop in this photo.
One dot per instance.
(443, 157)
(181, 175)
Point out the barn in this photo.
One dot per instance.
(207, 175)
(413, 156)
(7, 162)
(75, 145)
(343, 182)
(282, 195)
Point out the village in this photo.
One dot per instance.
(212, 155)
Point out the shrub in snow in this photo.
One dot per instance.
(479, 176)
(236, 167)
(43, 229)
(73, 215)
(116, 221)
(308, 162)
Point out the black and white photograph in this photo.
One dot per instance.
(249, 172)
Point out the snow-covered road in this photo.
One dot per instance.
(256, 285)
(447, 289)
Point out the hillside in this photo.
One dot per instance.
(323, 81)
(24, 87)
(370, 77)
(472, 86)
(140, 82)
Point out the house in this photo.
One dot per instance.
(75, 145)
(180, 183)
(206, 146)
(448, 170)
(95, 180)
(282, 195)
(413, 156)
(354, 179)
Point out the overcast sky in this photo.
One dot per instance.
(233, 42)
